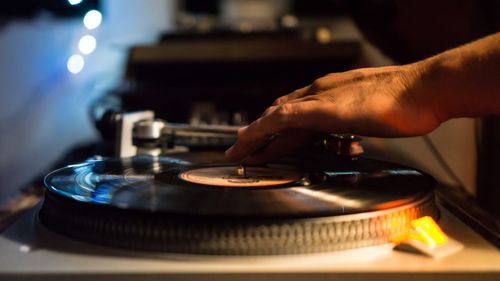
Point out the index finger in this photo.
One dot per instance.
(288, 115)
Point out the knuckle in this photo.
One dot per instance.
(284, 111)
(319, 84)
(268, 111)
(280, 100)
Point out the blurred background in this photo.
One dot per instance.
(65, 62)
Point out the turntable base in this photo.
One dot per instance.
(32, 253)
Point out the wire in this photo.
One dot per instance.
(443, 163)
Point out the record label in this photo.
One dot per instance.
(227, 176)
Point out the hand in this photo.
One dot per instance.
(383, 102)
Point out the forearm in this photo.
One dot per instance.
(396, 101)
(465, 81)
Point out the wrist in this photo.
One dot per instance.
(435, 82)
(463, 82)
(423, 90)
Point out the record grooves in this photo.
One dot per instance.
(143, 203)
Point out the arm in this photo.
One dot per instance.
(394, 101)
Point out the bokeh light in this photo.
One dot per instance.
(87, 44)
(75, 64)
(92, 19)
(74, 2)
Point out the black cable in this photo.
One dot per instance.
(443, 163)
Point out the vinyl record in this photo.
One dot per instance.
(176, 184)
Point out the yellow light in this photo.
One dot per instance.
(428, 231)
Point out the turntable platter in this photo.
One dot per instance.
(174, 204)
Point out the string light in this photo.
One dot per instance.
(92, 19)
(74, 2)
(87, 44)
(75, 64)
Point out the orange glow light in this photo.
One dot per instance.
(428, 231)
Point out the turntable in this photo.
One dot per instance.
(170, 206)
(167, 203)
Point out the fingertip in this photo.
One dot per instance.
(229, 151)
(236, 153)
(242, 129)
(229, 154)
